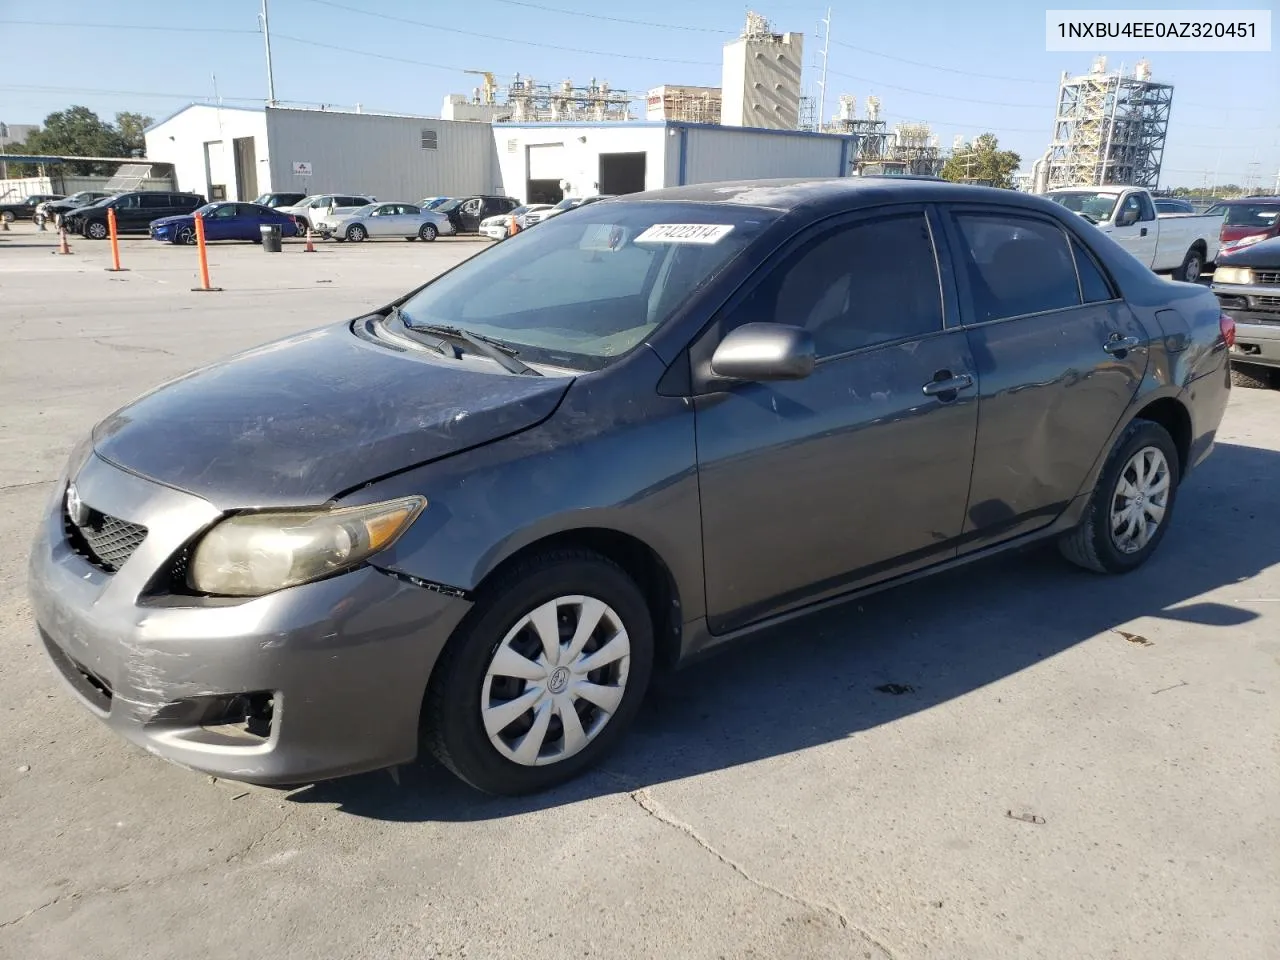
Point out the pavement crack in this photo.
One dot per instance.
(650, 805)
(44, 906)
(260, 838)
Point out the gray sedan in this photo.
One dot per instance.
(479, 519)
(403, 220)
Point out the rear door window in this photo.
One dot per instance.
(1094, 285)
(1014, 266)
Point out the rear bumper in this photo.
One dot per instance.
(343, 662)
(1257, 342)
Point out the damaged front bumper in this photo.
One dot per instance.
(312, 682)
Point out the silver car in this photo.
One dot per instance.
(391, 220)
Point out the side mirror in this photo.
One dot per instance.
(1127, 218)
(765, 351)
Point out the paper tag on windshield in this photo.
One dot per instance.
(685, 233)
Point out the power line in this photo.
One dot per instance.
(932, 66)
(601, 16)
(124, 26)
(523, 42)
(26, 88)
(366, 53)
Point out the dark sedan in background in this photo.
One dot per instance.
(25, 209)
(488, 511)
(223, 221)
(274, 200)
(1247, 283)
(55, 209)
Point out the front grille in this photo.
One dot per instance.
(1269, 277)
(105, 541)
(1270, 302)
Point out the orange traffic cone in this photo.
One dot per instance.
(63, 246)
(310, 247)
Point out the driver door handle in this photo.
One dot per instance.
(1120, 344)
(1142, 232)
(948, 385)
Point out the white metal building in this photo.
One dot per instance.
(236, 154)
(540, 162)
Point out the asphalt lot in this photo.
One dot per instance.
(1072, 767)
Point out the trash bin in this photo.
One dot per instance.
(271, 237)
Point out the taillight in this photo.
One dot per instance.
(1228, 328)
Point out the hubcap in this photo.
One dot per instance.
(1140, 500)
(556, 679)
(1193, 270)
(98, 231)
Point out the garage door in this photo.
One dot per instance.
(546, 161)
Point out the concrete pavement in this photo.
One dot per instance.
(1015, 760)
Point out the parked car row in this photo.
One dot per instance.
(499, 227)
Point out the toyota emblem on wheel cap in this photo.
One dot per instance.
(76, 508)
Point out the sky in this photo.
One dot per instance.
(965, 69)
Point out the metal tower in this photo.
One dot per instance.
(1110, 128)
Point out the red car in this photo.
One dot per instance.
(1247, 221)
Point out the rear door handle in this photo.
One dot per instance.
(1118, 344)
(948, 385)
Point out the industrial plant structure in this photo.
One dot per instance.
(910, 148)
(1110, 128)
(760, 81)
(685, 104)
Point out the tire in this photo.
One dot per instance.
(95, 230)
(356, 233)
(1253, 376)
(1192, 267)
(428, 232)
(1092, 544)
(185, 235)
(7, 216)
(461, 683)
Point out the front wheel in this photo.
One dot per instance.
(95, 230)
(356, 233)
(428, 232)
(1192, 267)
(186, 235)
(544, 675)
(1132, 504)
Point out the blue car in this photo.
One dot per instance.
(223, 221)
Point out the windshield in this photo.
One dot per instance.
(1095, 206)
(207, 209)
(568, 203)
(364, 211)
(1260, 215)
(447, 206)
(581, 291)
(433, 203)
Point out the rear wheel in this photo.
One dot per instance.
(1132, 504)
(1192, 267)
(1249, 375)
(356, 233)
(7, 216)
(428, 232)
(544, 675)
(95, 230)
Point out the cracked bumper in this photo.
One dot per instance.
(345, 660)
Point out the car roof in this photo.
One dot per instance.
(1262, 200)
(837, 193)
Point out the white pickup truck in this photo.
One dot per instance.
(1179, 242)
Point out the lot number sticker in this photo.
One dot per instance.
(685, 233)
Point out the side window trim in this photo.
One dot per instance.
(965, 291)
(1076, 242)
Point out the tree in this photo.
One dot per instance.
(130, 127)
(77, 131)
(984, 161)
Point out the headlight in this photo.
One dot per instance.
(251, 554)
(1232, 275)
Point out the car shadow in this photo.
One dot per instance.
(875, 660)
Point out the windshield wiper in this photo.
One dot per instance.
(497, 351)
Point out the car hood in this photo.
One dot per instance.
(1265, 253)
(304, 419)
(169, 221)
